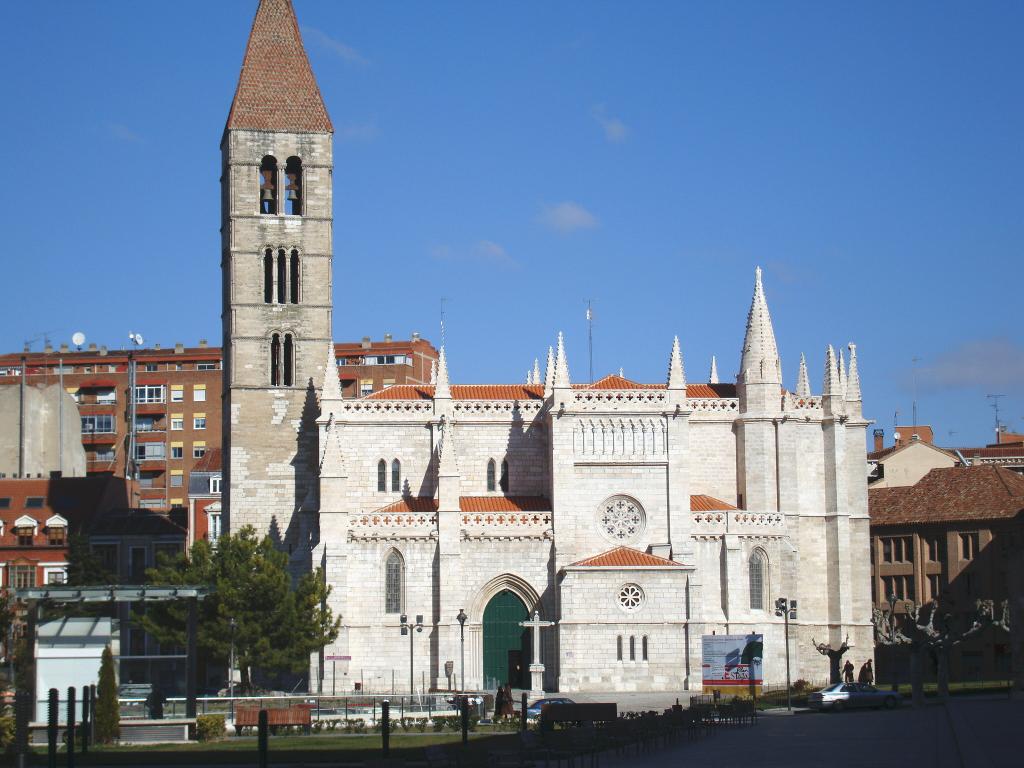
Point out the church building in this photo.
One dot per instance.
(631, 518)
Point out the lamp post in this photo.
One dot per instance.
(787, 609)
(407, 628)
(231, 666)
(892, 640)
(462, 648)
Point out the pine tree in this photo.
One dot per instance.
(108, 714)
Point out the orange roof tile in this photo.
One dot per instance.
(411, 504)
(276, 88)
(702, 503)
(462, 392)
(504, 504)
(624, 557)
(613, 381)
(950, 494)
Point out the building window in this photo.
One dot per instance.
(900, 586)
(34, 502)
(146, 424)
(268, 276)
(215, 484)
(213, 532)
(393, 577)
(177, 481)
(198, 422)
(289, 360)
(106, 396)
(618, 648)
(382, 475)
(935, 550)
(149, 394)
(293, 187)
(887, 550)
(503, 481)
(5, 502)
(282, 272)
(107, 556)
(275, 355)
(177, 452)
(102, 423)
(152, 367)
(56, 535)
(631, 597)
(206, 366)
(56, 577)
(177, 395)
(632, 648)
(934, 586)
(293, 274)
(177, 423)
(396, 476)
(491, 485)
(198, 451)
(365, 387)
(24, 576)
(199, 393)
(969, 545)
(643, 648)
(268, 185)
(150, 452)
(757, 566)
(25, 534)
(621, 519)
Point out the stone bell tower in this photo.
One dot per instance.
(276, 264)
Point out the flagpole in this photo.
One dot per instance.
(590, 338)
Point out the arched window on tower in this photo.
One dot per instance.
(491, 472)
(282, 275)
(382, 475)
(293, 188)
(394, 578)
(275, 360)
(396, 475)
(268, 185)
(289, 360)
(758, 573)
(503, 482)
(293, 284)
(268, 276)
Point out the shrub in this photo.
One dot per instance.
(318, 726)
(210, 727)
(801, 685)
(6, 732)
(108, 714)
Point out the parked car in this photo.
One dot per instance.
(842, 696)
(533, 711)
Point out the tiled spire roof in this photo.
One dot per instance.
(759, 363)
(277, 90)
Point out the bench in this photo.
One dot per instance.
(294, 715)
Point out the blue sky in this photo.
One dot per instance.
(521, 158)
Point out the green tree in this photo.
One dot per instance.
(278, 624)
(108, 714)
(85, 569)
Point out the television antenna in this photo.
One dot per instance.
(136, 339)
(995, 407)
(590, 337)
(78, 339)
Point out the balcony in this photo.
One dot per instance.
(98, 438)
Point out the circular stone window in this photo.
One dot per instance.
(622, 519)
(631, 597)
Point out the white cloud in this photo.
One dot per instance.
(614, 129)
(124, 133)
(356, 131)
(338, 48)
(995, 364)
(567, 217)
(483, 252)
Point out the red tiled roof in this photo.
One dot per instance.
(535, 391)
(411, 504)
(210, 462)
(1002, 452)
(710, 390)
(950, 494)
(504, 504)
(276, 88)
(702, 503)
(612, 381)
(624, 557)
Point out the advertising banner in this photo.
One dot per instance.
(732, 661)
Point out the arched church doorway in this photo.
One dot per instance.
(506, 644)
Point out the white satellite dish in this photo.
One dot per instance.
(136, 338)
(895, 435)
(78, 338)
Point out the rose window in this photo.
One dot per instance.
(622, 519)
(631, 597)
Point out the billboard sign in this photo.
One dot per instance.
(732, 661)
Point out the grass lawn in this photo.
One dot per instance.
(313, 748)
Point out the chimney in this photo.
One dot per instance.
(879, 435)
(92, 347)
(103, 349)
(366, 342)
(387, 338)
(48, 348)
(156, 346)
(179, 348)
(26, 348)
(202, 343)
(63, 347)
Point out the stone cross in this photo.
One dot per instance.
(536, 668)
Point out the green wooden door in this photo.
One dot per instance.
(505, 658)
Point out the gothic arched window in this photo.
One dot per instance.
(758, 573)
(293, 187)
(643, 648)
(618, 648)
(275, 358)
(282, 275)
(396, 475)
(268, 185)
(268, 276)
(632, 647)
(503, 482)
(293, 284)
(382, 475)
(491, 471)
(289, 360)
(394, 577)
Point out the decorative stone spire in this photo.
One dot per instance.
(447, 459)
(433, 373)
(276, 89)
(713, 376)
(536, 371)
(549, 374)
(331, 389)
(332, 459)
(441, 389)
(803, 383)
(561, 366)
(529, 377)
(853, 379)
(622, 372)
(832, 386)
(759, 363)
(842, 373)
(676, 377)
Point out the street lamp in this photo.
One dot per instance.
(787, 609)
(462, 648)
(892, 640)
(407, 628)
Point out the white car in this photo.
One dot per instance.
(842, 696)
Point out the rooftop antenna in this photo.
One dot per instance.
(443, 300)
(590, 337)
(995, 406)
(913, 361)
(78, 339)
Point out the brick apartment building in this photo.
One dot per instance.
(178, 402)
